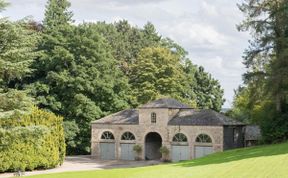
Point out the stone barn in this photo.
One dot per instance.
(187, 133)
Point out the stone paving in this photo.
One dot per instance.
(82, 163)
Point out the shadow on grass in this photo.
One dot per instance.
(238, 154)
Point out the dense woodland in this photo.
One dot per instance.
(263, 99)
(83, 72)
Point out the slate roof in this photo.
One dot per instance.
(185, 116)
(252, 132)
(201, 117)
(165, 103)
(129, 116)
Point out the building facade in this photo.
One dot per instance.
(186, 132)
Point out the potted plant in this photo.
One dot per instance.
(138, 150)
(165, 152)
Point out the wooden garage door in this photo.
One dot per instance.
(201, 151)
(180, 153)
(127, 152)
(107, 151)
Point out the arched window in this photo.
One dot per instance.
(107, 136)
(203, 138)
(153, 117)
(180, 137)
(127, 136)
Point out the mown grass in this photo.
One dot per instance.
(258, 162)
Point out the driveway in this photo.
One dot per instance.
(82, 163)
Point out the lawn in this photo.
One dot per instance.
(257, 162)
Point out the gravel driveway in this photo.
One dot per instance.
(82, 163)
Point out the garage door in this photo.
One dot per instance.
(107, 151)
(127, 152)
(201, 151)
(180, 153)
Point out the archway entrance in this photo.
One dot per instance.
(153, 142)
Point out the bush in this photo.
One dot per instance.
(31, 141)
(165, 152)
(138, 150)
(275, 128)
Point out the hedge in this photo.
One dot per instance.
(31, 141)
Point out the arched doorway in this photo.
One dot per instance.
(153, 142)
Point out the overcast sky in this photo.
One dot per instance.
(205, 28)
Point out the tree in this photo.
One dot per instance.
(17, 51)
(267, 55)
(77, 76)
(150, 36)
(157, 72)
(204, 89)
(266, 81)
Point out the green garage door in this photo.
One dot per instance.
(180, 153)
(201, 151)
(107, 151)
(127, 152)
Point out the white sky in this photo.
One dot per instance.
(205, 28)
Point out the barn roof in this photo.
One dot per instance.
(201, 117)
(185, 116)
(165, 103)
(129, 116)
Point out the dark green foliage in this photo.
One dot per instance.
(274, 127)
(17, 51)
(206, 91)
(266, 57)
(30, 141)
(127, 43)
(13, 102)
(71, 130)
(263, 99)
(76, 75)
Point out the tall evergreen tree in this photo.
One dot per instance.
(204, 89)
(17, 52)
(77, 76)
(267, 55)
(266, 81)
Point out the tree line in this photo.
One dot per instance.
(263, 99)
(86, 71)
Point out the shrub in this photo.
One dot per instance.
(165, 152)
(31, 141)
(275, 128)
(137, 149)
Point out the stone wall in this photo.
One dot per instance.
(166, 132)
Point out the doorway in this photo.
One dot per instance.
(153, 143)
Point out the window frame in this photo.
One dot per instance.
(180, 138)
(130, 137)
(203, 139)
(153, 118)
(107, 135)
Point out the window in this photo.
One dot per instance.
(153, 117)
(107, 136)
(235, 135)
(203, 138)
(127, 136)
(179, 137)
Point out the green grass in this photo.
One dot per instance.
(257, 162)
